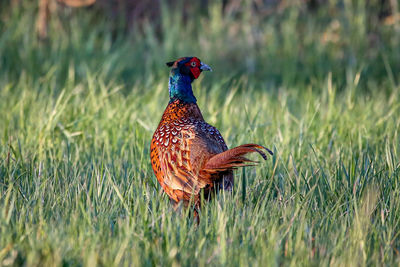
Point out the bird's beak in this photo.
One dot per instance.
(205, 67)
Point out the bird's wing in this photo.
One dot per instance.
(182, 153)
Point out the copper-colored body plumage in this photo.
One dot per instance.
(189, 156)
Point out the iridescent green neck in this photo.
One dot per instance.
(180, 87)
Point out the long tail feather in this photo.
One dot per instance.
(234, 158)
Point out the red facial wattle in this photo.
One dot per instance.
(194, 65)
(196, 72)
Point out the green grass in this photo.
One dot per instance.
(78, 113)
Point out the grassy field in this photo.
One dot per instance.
(77, 113)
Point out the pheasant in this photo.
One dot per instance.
(188, 155)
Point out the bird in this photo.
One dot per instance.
(189, 157)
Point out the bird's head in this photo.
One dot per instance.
(188, 66)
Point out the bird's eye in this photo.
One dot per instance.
(193, 63)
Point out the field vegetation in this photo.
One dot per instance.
(319, 86)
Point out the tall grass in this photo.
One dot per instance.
(78, 113)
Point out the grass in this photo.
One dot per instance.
(78, 113)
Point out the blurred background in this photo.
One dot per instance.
(278, 42)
